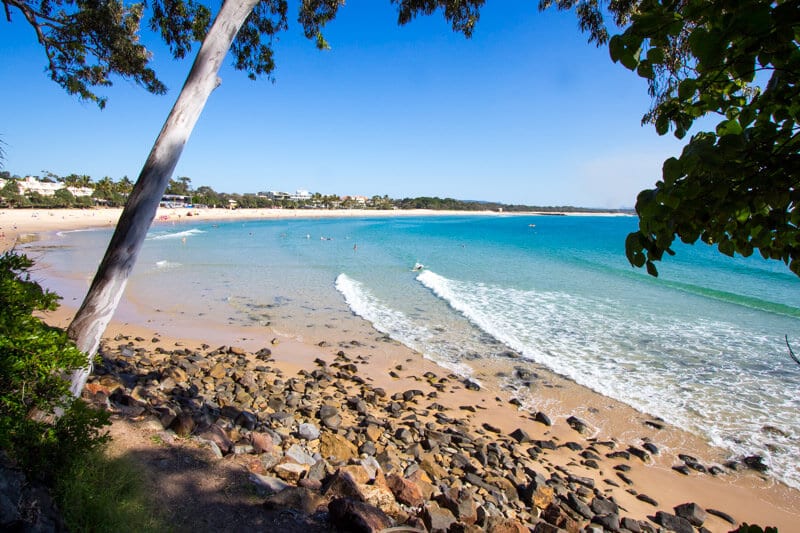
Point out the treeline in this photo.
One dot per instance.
(451, 204)
(108, 192)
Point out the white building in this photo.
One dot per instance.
(31, 184)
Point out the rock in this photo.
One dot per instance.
(299, 498)
(471, 385)
(673, 523)
(176, 373)
(603, 506)
(217, 371)
(520, 436)
(609, 522)
(724, 516)
(543, 419)
(558, 517)
(691, 512)
(631, 525)
(577, 424)
(579, 506)
(336, 447)
(217, 435)
(461, 503)
(647, 499)
(291, 472)
(246, 420)
(262, 442)
(330, 417)
(640, 453)
(755, 462)
(681, 469)
(405, 491)
(271, 484)
(650, 447)
(359, 517)
(299, 455)
(501, 524)
(183, 425)
(437, 519)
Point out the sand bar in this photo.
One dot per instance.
(748, 496)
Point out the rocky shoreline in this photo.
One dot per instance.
(340, 454)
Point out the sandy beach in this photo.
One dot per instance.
(744, 494)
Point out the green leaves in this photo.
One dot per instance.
(737, 186)
(33, 359)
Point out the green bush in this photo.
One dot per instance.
(34, 360)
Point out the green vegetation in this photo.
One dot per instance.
(66, 452)
(98, 493)
(737, 66)
(33, 358)
(112, 194)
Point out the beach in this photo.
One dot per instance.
(745, 494)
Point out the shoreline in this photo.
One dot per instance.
(755, 499)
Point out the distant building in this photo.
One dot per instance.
(301, 195)
(46, 188)
(276, 195)
(175, 200)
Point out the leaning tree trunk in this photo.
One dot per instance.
(109, 283)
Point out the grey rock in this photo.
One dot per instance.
(673, 523)
(724, 516)
(692, 512)
(577, 424)
(543, 419)
(308, 431)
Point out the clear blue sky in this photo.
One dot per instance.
(524, 112)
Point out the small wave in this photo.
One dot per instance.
(64, 233)
(396, 324)
(164, 264)
(176, 235)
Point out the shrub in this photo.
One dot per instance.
(34, 358)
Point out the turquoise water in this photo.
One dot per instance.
(702, 346)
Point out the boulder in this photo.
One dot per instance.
(336, 447)
(692, 512)
(437, 519)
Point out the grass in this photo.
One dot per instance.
(101, 494)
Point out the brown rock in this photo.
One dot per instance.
(262, 442)
(217, 371)
(500, 524)
(405, 491)
(429, 465)
(437, 519)
(291, 472)
(336, 447)
(461, 504)
(175, 373)
(217, 435)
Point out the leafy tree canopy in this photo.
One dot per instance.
(739, 61)
(88, 42)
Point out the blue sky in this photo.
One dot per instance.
(526, 111)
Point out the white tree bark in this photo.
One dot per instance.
(109, 282)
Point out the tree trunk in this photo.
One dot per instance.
(109, 283)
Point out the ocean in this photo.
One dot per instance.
(702, 346)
